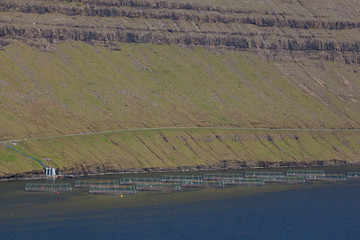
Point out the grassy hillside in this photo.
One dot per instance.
(192, 148)
(81, 88)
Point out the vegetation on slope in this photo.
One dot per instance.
(81, 88)
(196, 149)
(69, 67)
(275, 29)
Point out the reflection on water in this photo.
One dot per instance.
(273, 211)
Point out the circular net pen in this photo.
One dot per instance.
(158, 187)
(306, 173)
(285, 179)
(88, 183)
(244, 182)
(48, 187)
(136, 180)
(202, 184)
(222, 176)
(263, 175)
(353, 175)
(328, 178)
(180, 178)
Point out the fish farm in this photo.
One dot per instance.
(180, 178)
(244, 182)
(202, 184)
(353, 175)
(136, 180)
(88, 183)
(328, 177)
(158, 187)
(48, 187)
(305, 173)
(175, 183)
(112, 190)
(285, 179)
(263, 174)
(221, 176)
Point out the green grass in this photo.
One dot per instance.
(82, 88)
(141, 149)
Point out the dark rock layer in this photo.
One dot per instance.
(111, 23)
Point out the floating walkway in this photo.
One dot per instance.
(328, 178)
(130, 185)
(353, 175)
(136, 180)
(48, 187)
(222, 176)
(104, 187)
(88, 183)
(202, 184)
(181, 178)
(306, 173)
(159, 187)
(263, 175)
(112, 190)
(285, 179)
(244, 182)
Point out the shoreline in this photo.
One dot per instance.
(225, 165)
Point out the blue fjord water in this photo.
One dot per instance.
(274, 211)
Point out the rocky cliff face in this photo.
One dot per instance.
(285, 30)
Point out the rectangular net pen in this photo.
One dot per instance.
(263, 175)
(48, 187)
(222, 176)
(180, 178)
(244, 182)
(112, 190)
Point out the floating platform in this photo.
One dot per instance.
(285, 179)
(244, 182)
(328, 178)
(181, 178)
(353, 175)
(202, 184)
(88, 183)
(306, 173)
(158, 187)
(112, 190)
(221, 176)
(48, 187)
(263, 175)
(136, 180)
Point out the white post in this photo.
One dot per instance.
(53, 172)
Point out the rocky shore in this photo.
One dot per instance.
(222, 166)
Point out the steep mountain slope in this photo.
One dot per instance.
(270, 28)
(90, 66)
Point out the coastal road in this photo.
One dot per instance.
(185, 128)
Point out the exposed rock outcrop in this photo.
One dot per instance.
(110, 23)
